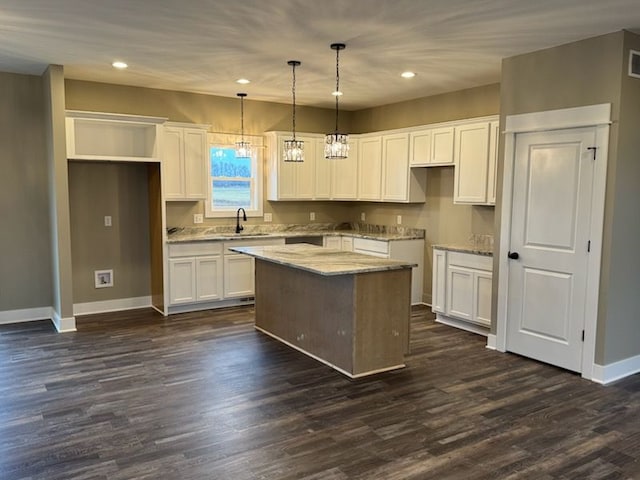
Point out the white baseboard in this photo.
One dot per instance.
(25, 315)
(63, 325)
(606, 374)
(492, 341)
(111, 305)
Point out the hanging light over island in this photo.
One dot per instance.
(293, 149)
(337, 144)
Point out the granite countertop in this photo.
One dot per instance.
(467, 248)
(323, 261)
(225, 233)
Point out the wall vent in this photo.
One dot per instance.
(634, 63)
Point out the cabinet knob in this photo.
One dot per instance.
(513, 255)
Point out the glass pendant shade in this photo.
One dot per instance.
(243, 148)
(336, 144)
(293, 149)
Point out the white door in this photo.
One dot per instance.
(552, 187)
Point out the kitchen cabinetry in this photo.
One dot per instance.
(404, 250)
(332, 242)
(475, 157)
(322, 173)
(461, 290)
(370, 161)
(184, 162)
(208, 274)
(344, 172)
(395, 158)
(431, 147)
(290, 180)
(114, 137)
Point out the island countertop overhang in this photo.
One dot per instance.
(322, 261)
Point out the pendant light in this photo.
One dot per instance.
(293, 149)
(243, 149)
(336, 144)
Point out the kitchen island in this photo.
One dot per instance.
(347, 310)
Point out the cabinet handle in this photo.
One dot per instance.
(513, 255)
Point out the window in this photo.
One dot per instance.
(232, 183)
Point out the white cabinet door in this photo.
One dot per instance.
(306, 171)
(471, 163)
(370, 168)
(322, 174)
(493, 162)
(209, 278)
(441, 148)
(347, 244)
(182, 280)
(332, 242)
(482, 298)
(395, 173)
(195, 163)
(173, 163)
(344, 174)
(238, 276)
(439, 281)
(420, 148)
(460, 292)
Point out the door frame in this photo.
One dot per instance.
(599, 117)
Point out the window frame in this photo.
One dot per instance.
(256, 179)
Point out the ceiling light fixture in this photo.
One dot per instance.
(336, 145)
(243, 81)
(243, 149)
(120, 65)
(293, 149)
(407, 74)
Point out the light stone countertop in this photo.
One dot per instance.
(323, 261)
(483, 250)
(226, 233)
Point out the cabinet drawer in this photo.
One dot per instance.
(470, 260)
(195, 249)
(365, 245)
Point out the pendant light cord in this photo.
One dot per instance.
(293, 92)
(242, 118)
(337, 84)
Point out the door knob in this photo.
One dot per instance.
(513, 255)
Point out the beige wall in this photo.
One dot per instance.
(25, 268)
(97, 189)
(590, 72)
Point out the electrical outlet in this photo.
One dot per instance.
(312, 216)
(107, 220)
(198, 218)
(363, 216)
(268, 217)
(399, 219)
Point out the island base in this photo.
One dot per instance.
(355, 323)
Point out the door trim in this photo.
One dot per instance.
(598, 116)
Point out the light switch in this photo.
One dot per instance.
(312, 216)
(107, 220)
(363, 216)
(399, 219)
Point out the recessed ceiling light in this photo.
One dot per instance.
(243, 81)
(407, 74)
(120, 65)
(336, 94)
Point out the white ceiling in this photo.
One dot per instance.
(205, 45)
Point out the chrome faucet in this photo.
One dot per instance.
(239, 227)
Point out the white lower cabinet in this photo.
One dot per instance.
(239, 272)
(203, 273)
(461, 289)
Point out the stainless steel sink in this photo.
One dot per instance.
(249, 234)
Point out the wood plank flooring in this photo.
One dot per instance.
(133, 395)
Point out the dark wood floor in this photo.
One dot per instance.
(203, 396)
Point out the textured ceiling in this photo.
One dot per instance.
(205, 45)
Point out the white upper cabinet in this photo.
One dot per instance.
(291, 180)
(471, 154)
(395, 159)
(323, 166)
(184, 161)
(370, 168)
(110, 136)
(344, 173)
(494, 140)
(432, 147)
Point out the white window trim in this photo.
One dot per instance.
(228, 141)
